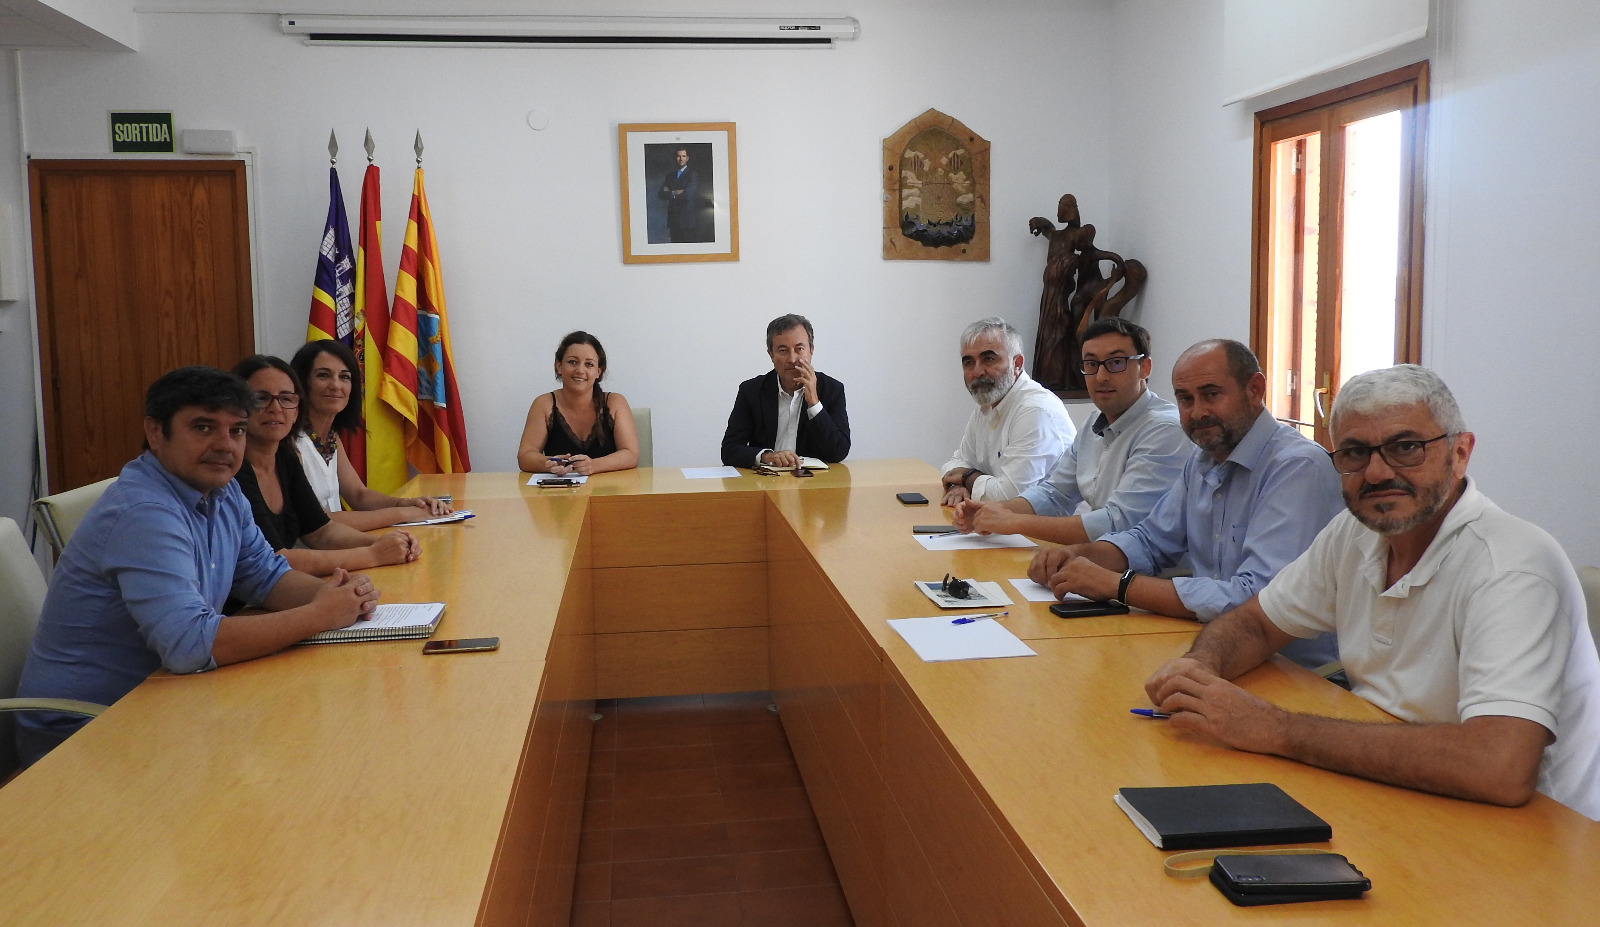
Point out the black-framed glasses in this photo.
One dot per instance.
(284, 400)
(1399, 455)
(1088, 367)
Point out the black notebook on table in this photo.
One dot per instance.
(1197, 817)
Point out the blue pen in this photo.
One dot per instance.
(1149, 713)
(968, 619)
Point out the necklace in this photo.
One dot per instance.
(326, 448)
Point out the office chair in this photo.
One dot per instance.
(22, 589)
(60, 514)
(1589, 578)
(647, 448)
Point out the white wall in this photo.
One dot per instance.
(16, 322)
(528, 221)
(1513, 243)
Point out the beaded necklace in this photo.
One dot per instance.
(326, 448)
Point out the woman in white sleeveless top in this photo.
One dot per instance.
(333, 405)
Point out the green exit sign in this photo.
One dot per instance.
(141, 132)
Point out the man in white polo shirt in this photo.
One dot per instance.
(1451, 614)
(1019, 429)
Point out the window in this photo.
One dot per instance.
(1337, 273)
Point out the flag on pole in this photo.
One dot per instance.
(419, 369)
(385, 430)
(333, 287)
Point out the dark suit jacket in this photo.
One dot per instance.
(683, 212)
(753, 424)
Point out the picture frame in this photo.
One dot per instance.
(680, 192)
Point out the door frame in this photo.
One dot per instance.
(35, 270)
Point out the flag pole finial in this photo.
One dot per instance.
(333, 147)
(417, 147)
(369, 145)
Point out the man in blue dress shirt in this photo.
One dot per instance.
(1117, 469)
(141, 584)
(1252, 496)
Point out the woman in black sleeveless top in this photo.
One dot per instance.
(579, 428)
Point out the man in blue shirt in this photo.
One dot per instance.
(1117, 469)
(1252, 496)
(141, 585)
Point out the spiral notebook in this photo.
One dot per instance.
(388, 623)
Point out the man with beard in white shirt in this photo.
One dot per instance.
(1116, 469)
(1451, 614)
(1019, 429)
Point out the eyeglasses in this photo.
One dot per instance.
(284, 400)
(959, 588)
(1401, 455)
(1088, 367)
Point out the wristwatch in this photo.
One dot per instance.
(1121, 598)
(963, 481)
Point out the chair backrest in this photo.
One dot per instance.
(59, 515)
(22, 589)
(647, 446)
(1589, 577)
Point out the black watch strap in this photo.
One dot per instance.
(1122, 587)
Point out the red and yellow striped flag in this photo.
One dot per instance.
(385, 429)
(419, 369)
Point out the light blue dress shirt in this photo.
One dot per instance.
(139, 588)
(1240, 522)
(1121, 469)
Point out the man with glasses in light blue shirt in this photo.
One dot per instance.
(1115, 470)
(1252, 496)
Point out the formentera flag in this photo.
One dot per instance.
(385, 431)
(419, 370)
(333, 288)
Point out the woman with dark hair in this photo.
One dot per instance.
(579, 428)
(285, 508)
(331, 377)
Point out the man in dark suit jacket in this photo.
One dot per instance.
(789, 412)
(680, 187)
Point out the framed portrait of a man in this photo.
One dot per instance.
(680, 192)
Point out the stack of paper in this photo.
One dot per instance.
(972, 541)
(459, 515)
(936, 640)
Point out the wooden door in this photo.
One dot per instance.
(141, 267)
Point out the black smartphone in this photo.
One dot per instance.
(1282, 879)
(911, 498)
(803, 471)
(935, 529)
(462, 645)
(1076, 609)
(557, 483)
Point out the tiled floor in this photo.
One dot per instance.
(696, 816)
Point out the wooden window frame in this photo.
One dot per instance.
(1316, 113)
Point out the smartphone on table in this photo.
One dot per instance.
(462, 645)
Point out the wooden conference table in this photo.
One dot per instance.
(367, 784)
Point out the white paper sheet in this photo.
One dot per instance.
(709, 473)
(538, 478)
(458, 515)
(983, 595)
(936, 640)
(972, 541)
(1034, 592)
